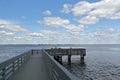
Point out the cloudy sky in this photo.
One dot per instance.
(59, 21)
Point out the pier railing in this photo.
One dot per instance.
(9, 67)
(57, 71)
(57, 53)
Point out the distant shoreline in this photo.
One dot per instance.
(54, 44)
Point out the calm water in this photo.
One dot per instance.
(101, 63)
(9, 51)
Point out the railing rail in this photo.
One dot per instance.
(57, 71)
(9, 67)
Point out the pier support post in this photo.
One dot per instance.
(69, 56)
(69, 59)
(82, 59)
(60, 59)
(57, 58)
(31, 52)
(83, 53)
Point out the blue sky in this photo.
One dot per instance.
(59, 22)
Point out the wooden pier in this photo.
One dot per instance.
(34, 65)
(57, 53)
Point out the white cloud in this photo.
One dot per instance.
(10, 34)
(92, 12)
(54, 21)
(4, 33)
(49, 32)
(106, 9)
(66, 8)
(22, 39)
(47, 13)
(16, 28)
(81, 8)
(88, 20)
(59, 22)
(112, 30)
(52, 35)
(7, 25)
(105, 35)
(101, 36)
(74, 30)
(34, 34)
(17, 38)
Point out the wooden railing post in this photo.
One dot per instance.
(13, 66)
(69, 56)
(3, 73)
(9, 67)
(18, 63)
(69, 59)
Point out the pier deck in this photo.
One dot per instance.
(34, 65)
(34, 69)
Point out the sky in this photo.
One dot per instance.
(59, 21)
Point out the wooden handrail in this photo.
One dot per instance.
(9, 67)
(57, 71)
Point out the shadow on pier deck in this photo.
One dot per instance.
(34, 69)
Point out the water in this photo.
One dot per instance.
(9, 51)
(102, 62)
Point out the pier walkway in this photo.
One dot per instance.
(34, 65)
(34, 69)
